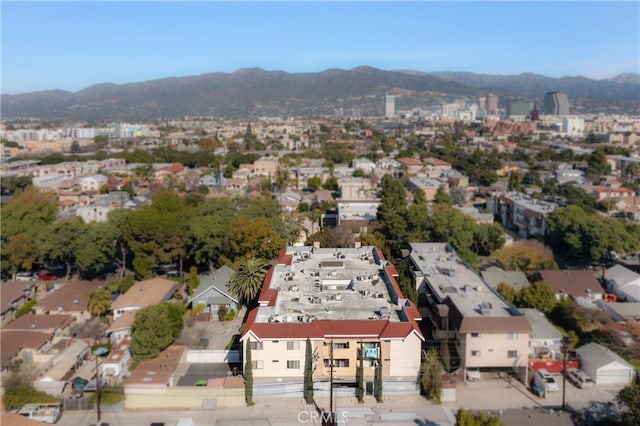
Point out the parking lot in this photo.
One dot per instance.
(506, 393)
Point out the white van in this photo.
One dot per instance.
(545, 381)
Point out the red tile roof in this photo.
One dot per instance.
(409, 161)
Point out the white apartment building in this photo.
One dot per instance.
(347, 302)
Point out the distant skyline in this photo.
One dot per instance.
(73, 45)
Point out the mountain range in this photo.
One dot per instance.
(255, 92)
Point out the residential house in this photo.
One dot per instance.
(347, 302)
(114, 365)
(26, 346)
(604, 366)
(120, 328)
(572, 283)
(476, 327)
(70, 298)
(173, 170)
(93, 182)
(13, 295)
(621, 311)
(214, 292)
(545, 339)
(623, 282)
(289, 200)
(363, 164)
(266, 166)
(143, 294)
(412, 165)
(56, 325)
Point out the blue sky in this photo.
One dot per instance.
(72, 45)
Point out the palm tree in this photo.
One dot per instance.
(99, 301)
(246, 282)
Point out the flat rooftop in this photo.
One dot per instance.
(448, 276)
(331, 284)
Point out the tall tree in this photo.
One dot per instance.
(308, 373)
(379, 378)
(96, 247)
(246, 282)
(19, 253)
(60, 242)
(248, 375)
(392, 212)
(360, 374)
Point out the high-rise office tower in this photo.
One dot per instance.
(482, 103)
(556, 103)
(492, 103)
(389, 106)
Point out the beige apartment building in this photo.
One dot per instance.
(476, 327)
(346, 302)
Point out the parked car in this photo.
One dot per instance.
(473, 374)
(26, 276)
(47, 276)
(579, 378)
(173, 274)
(544, 380)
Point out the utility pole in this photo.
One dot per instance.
(329, 421)
(564, 372)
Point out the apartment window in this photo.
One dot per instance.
(293, 364)
(475, 334)
(256, 346)
(512, 336)
(257, 365)
(341, 345)
(293, 346)
(512, 354)
(475, 353)
(337, 362)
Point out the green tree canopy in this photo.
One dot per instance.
(99, 301)
(537, 295)
(153, 329)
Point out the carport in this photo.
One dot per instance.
(603, 365)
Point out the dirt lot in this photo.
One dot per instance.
(200, 333)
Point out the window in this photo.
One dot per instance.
(512, 354)
(475, 334)
(294, 364)
(341, 345)
(257, 365)
(293, 346)
(475, 353)
(256, 346)
(337, 362)
(512, 336)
